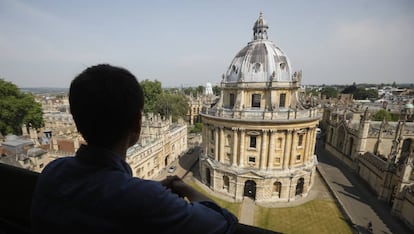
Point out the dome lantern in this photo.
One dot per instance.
(260, 28)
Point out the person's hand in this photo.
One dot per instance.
(167, 182)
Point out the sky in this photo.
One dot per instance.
(182, 43)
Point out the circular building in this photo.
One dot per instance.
(258, 140)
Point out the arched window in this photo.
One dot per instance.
(350, 146)
(340, 139)
(277, 188)
(226, 183)
(228, 140)
(299, 186)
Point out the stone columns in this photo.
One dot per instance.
(242, 146)
(313, 141)
(216, 144)
(286, 151)
(308, 143)
(293, 144)
(234, 159)
(222, 142)
(263, 151)
(206, 139)
(271, 150)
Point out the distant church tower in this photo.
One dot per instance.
(258, 140)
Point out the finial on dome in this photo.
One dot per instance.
(260, 28)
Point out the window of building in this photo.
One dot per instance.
(226, 183)
(256, 100)
(228, 140)
(300, 140)
(277, 188)
(282, 100)
(298, 157)
(252, 159)
(212, 134)
(252, 141)
(232, 98)
(279, 143)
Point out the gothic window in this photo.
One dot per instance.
(256, 100)
(282, 100)
(340, 139)
(351, 143)
(252, 141)
(406, 146)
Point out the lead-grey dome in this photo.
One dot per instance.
(260, 61)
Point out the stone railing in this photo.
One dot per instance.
(252, 114)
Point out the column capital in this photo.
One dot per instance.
(235, 128)
(265, 130)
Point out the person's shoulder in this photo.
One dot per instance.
(58, 162)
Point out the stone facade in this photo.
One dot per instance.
(161, 143)
(258, 139)
(380, 152)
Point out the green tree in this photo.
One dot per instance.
(172, 104)
(329, 92)
(17, 108)
(196, 128)
(350, 89)
(362, 94)
(200, 90)
(152, 92)
(216, 90)
(381, 114)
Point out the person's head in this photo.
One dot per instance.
(106, 103)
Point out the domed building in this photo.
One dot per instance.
(258, 139)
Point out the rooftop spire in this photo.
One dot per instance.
(260, 28)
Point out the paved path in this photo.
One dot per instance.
(247, 211)
(358, 201)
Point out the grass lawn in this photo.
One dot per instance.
(317, 216)
(230, 206)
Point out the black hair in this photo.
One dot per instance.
(105, 102)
